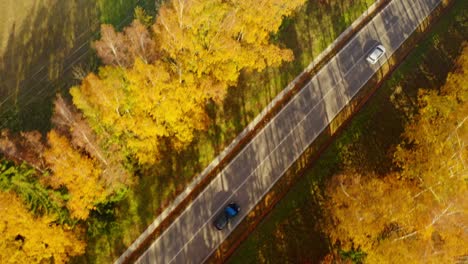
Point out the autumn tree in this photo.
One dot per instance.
(418, 214)
(77, 173)
(111, 48)
(122, 48)
(440, 127)
(392, 221)
(69, 122)
(26, 238)
(212, 41)
(362, 209)
(140, 42)
(143, 107)
(23, 147)
(435, 155)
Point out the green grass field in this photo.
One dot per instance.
(292, 223)
(39, 40)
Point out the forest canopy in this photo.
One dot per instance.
(417, 213)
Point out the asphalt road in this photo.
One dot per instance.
(191, 238)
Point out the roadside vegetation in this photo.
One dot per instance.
(392, 187)
(145, 103)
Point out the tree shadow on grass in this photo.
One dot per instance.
(41, 51)
(155, 188)
(37, 60)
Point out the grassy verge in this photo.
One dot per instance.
(368, 141)
(120, 12)
(40, 41)
(36, 39)
(307, 34)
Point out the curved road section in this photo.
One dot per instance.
(191, 238)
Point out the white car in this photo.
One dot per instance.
(376, 54)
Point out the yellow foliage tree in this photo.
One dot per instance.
(162, 108)
(214, 40)
(101, 97)
(141, 107)
(29, 239)
(361, 208)
(435, 155)
(201, 47)
(423, 216)
(78, 173)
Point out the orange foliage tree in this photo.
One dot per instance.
(418, 214)
(122, 48)
(77, 173)
(70, 123)
(26, 238)
(26, 147)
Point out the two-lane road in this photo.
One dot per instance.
(191, 238)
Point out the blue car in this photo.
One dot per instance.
(230, 211)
